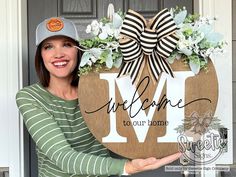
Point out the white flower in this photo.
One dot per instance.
(185, 46)
(96, 31)
(110, 31)
(103, 35)
(107, 29)
(89, 29)
(100, 24)
(95, 24)
(95, 27)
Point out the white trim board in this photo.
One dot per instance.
(13, 20)
(222, 10)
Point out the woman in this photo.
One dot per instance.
(65, 146)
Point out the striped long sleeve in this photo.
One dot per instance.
(65, 145)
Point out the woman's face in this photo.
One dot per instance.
(59, 56)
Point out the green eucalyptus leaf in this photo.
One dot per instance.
(205, 29)
(194, 66)
(214, 38)
(109, 61)
(96, 52)
(180, 17)
(85, 58)
(117, 20)
(117, 63)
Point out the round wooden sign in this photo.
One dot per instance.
(138, 121)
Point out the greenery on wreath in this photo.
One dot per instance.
(103, 49)
(197, 42)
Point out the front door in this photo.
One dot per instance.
(82, 12)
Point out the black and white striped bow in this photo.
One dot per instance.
(154, 40)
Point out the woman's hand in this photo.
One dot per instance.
(139, 165)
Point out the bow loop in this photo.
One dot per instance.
(163, 23)
(133, 25)
(153, 41)
(166, 45)
(130, 49)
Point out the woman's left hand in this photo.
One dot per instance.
(139, 165)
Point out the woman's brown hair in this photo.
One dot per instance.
(43, 74)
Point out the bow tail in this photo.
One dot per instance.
(167, 45)
(133, 68)
(168, 69)
(154, 68)
(157, 64)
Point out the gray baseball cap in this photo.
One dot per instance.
(56, 26)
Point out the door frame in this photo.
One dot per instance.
(18, 12)
(222, 10)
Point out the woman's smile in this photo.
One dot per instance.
(60, 63)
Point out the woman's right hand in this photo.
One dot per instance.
(139, 165)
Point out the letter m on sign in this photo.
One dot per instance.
(175, 91)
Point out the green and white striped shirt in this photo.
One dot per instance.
(65, 146)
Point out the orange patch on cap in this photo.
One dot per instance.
(55, 24)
